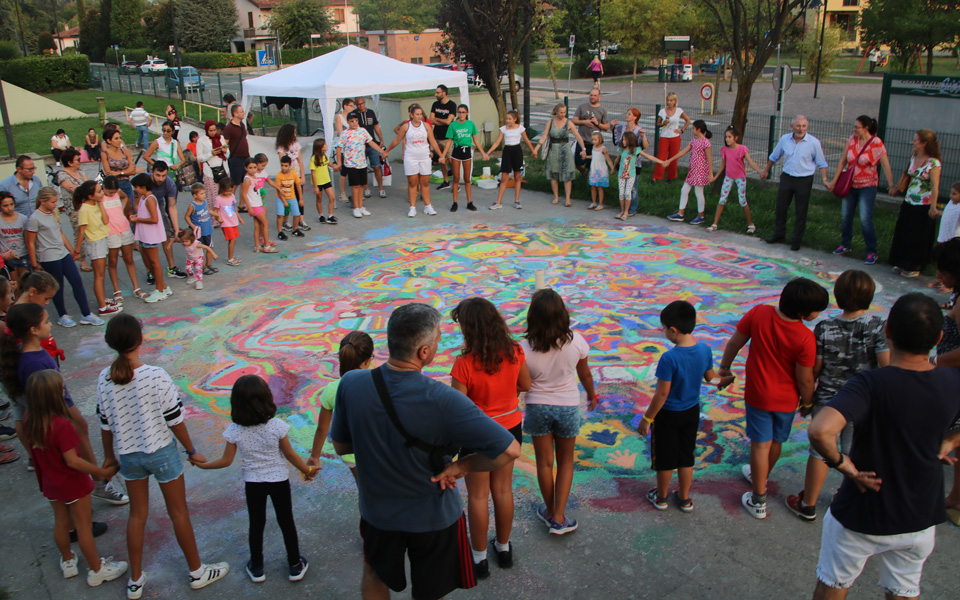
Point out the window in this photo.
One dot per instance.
(250, 20)
(851, 2)
(383, 51)
(416, 60)
(338, 15)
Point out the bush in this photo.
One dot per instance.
(831, 50)
(290, 56)
(9, 50)
(613, 65)
(217, 60)
(47, 74)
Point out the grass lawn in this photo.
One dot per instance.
(35, 137)
(661, 200)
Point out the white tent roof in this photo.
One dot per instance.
(349, 72)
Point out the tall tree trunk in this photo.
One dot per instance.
(742, 103)
(929, 60)
(511, 82)
(551, 63)
(635, 61)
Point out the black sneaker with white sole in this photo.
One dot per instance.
(176, 272)
(443, 185)
(282, 236)
(296, 233)
(322, 220)
(332, 221)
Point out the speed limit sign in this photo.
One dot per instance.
(706, 91)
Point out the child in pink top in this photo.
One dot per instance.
(732, 158)
(701, 170)
(120, 240)
(195, 257)
(150, 233)
(225, 212)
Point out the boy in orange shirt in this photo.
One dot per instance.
(289, 188)
(779, 370)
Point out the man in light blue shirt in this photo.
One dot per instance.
(23, 185)
(802, 156)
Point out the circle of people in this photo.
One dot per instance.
(399, 431)
(123, 212)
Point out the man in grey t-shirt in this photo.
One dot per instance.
(590, 117)
(407, 504)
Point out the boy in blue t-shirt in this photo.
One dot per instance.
(676, 404)
(198, 215)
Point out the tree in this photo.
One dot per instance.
(125, 27)
(414, 15)
(911, 26)
(751, 30)
(206, 25)
(659, 19)
(578, 18)
(295, 20)
(104, 36)
(158, 25)
(506, 27)
(45, 42)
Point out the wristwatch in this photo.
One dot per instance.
(831, 464)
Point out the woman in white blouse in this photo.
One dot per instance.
(669, 121)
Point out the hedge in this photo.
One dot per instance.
(47, 73)
(612, 65)
(223, 60)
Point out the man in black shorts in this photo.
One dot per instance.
(442, 113)
(408, 505)
(165, 191)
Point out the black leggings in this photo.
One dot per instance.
(66, 268)
(279, 492)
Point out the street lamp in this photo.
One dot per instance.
(176, 52)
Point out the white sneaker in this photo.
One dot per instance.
(365, 212)
(412, 212)
(69, 567)
(209, 574)
(168, 292)
(757, 511)
(199, 285)
(66, 321)
(747, 473)
(358, 213)
(155, 296)
(428, 210)
(191, 280)
(383, 194)
(91, 319)
(366, 193)
(110, 493)
(109, 570)
(134, 589)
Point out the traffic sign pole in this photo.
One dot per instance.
(573, 40)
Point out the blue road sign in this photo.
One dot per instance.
(263, 59)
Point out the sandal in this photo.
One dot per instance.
(209, 270)
(685, 505)
(234, 262)
(591, 207)
(5, 448)
(269, 250)
(85, 267)
(568, 205)
(712, 228)
(8, 457)
(556, 201)
(599, 207)
(140, 293)
(752, 229)
(117, 297)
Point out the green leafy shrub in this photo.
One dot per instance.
(613, 65)
(47, 73)
(9, 50)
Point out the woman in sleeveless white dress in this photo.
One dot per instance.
(418, 139)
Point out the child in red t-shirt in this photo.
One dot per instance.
(63, 476)
(490, 370)
(779, 370)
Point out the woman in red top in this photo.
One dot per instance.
(491, 371)
(64, 476)
(863, 189)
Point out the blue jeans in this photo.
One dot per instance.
(143, 135)
(865, 199)
(635, 200)
(62, 269)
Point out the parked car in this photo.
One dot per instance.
(129, 66)
(444, 66)
(95, 80)
(192, 81)
(153, 66)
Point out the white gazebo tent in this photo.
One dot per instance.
(349, 72)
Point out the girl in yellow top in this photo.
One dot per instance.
(93, 226)
(320, 168)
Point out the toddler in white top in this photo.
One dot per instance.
(265, 449)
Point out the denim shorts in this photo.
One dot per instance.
(164, 464)
(293, 210)
(768, 425)
(22, 262)
(544, 419)
(146, 245)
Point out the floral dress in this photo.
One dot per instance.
(699, 173)
(559, 164)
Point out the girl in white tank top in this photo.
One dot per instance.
(417, 146)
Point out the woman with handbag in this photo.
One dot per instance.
(166, 148)
(558, 163)
(115, 159)
(857, 185)
(916, 226)
(212, 152)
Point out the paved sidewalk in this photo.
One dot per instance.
(623, 549)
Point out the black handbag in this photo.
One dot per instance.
(219, 174)
(438, 454)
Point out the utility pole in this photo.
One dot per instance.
(23, 40)
(176, 52)
(823, 28)
(56, 27)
